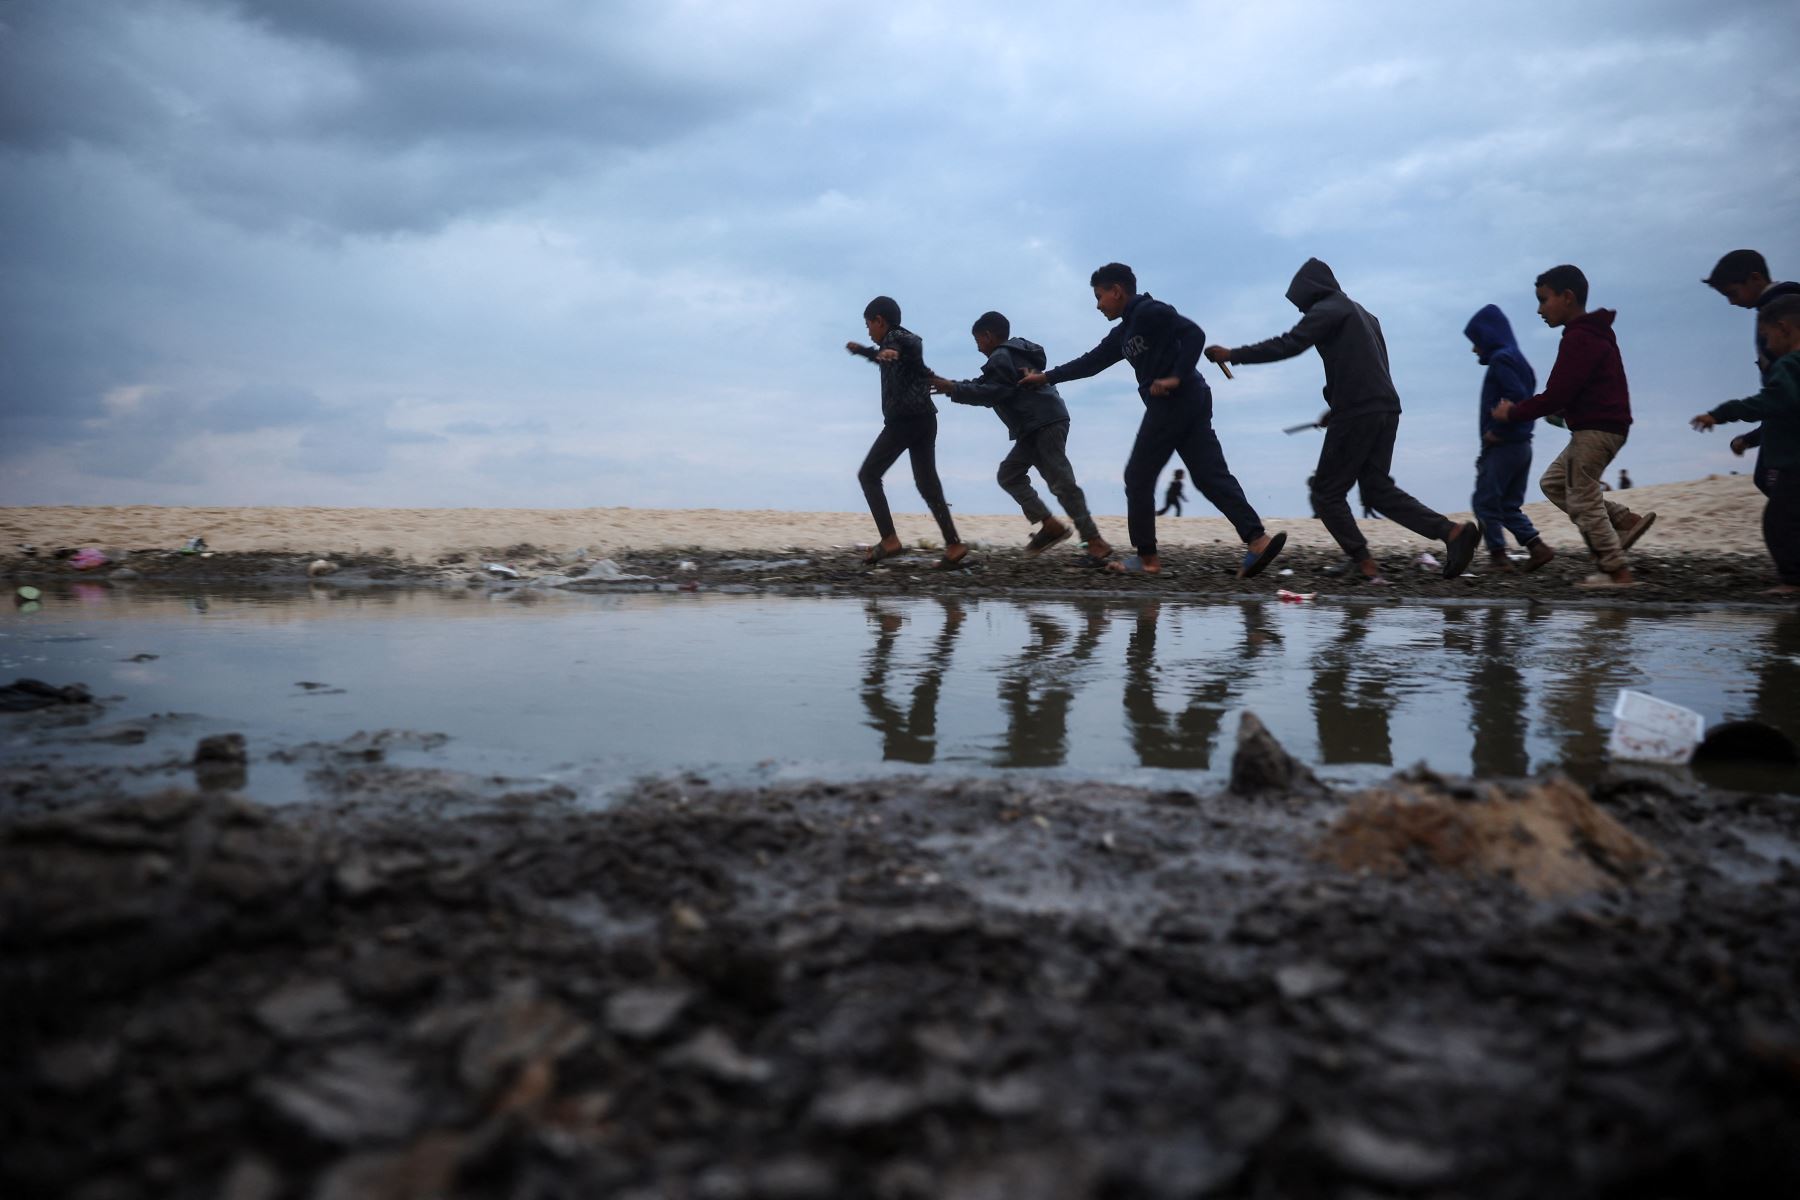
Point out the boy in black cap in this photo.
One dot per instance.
(1363, 421)
(1163, 348)
(1038, 424)
(1742, 277)
(909, 426)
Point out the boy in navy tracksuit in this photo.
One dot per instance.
(1742, 277)
(1163, 348)
(1503, 466)
(908, 426)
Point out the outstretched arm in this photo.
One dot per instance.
(1092, 363)
(1314, 325)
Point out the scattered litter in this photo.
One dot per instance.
(608, 570)
(501, 570)
(320, 566)
(687, 565)
(1294, 597)
(1646, 729)
(1285, 571)
(28, 550)
(26, 594)
(193, 545)
(1426, 559)
(87, 559)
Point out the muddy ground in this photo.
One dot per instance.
(1708, 579)
(426, 985)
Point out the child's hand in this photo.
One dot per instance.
(1032, 379)
(856, 348)
(1739, 445)
(1703, 423)
(1491, 438)
(942, 386)
(1502, 411)
(888, 355)
(1165, 385)
(1218, 354)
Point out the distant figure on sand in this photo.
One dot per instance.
(1173, 497)
(1503, 464)
(1038, 424)
(1587, 387)
(1163, 348)
(1777, 406)
(1742, 277)
(909, 426)
(1624, 480)
(1363, 421)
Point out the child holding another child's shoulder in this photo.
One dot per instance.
(1777, 406)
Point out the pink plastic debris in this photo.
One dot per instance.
(1294, 597)
(87, 559)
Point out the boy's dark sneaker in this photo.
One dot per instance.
(1498, 561)
(1540, 554)
(1628, 537)
(1460, 550)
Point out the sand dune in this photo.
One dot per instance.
(1721, 513)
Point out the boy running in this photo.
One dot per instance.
(1742, 277)
(1175, 494)
(1163, 348)
(1503, 466)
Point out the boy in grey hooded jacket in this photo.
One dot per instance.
(1038, 424)
(1363, 420)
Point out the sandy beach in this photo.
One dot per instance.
(1717, 514)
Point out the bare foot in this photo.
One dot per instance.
(1099, 549)
(955, 552)
(1781, 589)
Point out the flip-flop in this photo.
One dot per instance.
(1254, 562)
(878, 552)
(1131, 564)
(947, 563)
(1042, 541)
(1089, 562)
(1629, 538)
(1459, 552)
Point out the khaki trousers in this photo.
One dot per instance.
(1572, 483)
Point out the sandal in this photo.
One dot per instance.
(1131, 564)
(947, 563)
(1043, 539)
(1254, 562)
(1629, 538)
(877, 552)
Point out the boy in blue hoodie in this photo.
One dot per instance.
(1777, 406)
(1038, 424)
(1503, 466)
(1163, 348)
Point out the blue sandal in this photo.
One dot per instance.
(1254, 562)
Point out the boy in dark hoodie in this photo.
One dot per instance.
(1038, 424)
(1163, 348)
(1503, 466)
(909, 426)
(1777, 406)
(1363, 421)
(1587, 387)
(1742, 277)
(1174, 494)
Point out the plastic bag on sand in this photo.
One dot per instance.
(1646, 729)
(87, 559)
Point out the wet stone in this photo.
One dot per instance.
(355, 1095)
(309, 1008)
(75, 1067)
(515, 1031)
(1260, 764)
(712, 1053)
(646, 1013)
(1304, 980)
(1367, 1153)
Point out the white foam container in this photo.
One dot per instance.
(1646, 729)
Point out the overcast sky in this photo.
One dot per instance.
(556, 253)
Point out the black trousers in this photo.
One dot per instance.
(1359, 451)
(916, 436)
(1184, 429)
(1781, 522)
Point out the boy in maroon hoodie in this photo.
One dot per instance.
(1587, 389)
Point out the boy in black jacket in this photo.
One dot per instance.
(1163, 348)
(1363, 420)
(909, 425)
(1038, 424)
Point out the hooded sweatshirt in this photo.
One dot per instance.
(1509, 376)
(1347, 337)
(1025, 410)
(1158, 341)
(1777, 406)
(1587, 383)
(905, 383)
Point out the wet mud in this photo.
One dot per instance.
(424, 984)
(1189, 571)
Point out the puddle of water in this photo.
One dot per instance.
(595, 690)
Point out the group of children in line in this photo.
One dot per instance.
(1586, 392)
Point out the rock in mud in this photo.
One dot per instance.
(1261, 765)
(644, 1014)
(28, 695)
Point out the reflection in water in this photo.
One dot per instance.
(1185, 737)
(1778, 679)
(1486, 639)
(1038, 686)
(1352, 692)
(909, 734)
(1591, 663)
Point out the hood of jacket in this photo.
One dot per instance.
(1027, 350)
(1312, 283)
(1598, 323)
(1490, 332)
